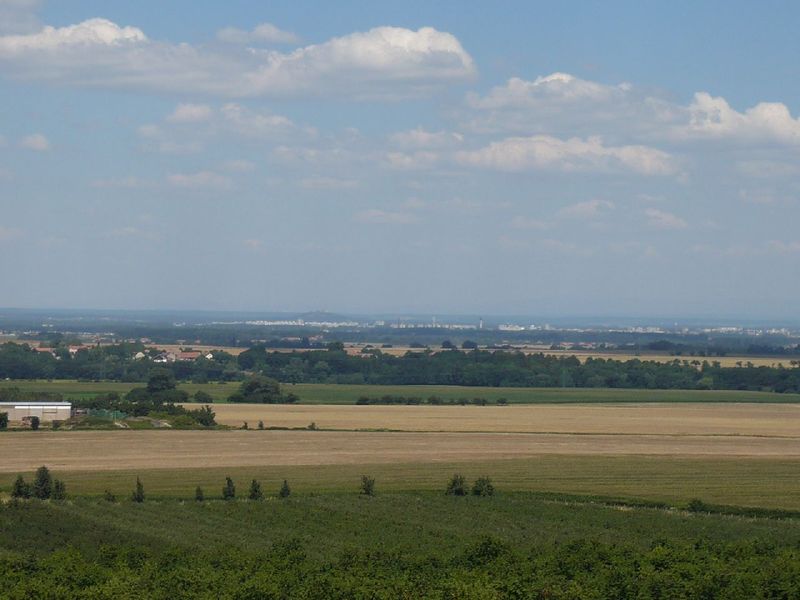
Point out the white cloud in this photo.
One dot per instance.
(414, 160)
(664, 220)
(780, 247)
(19, 16)
(387, 62)
(557, 87)
(571, 155)
(264, 33)
(200, 180)
(249, 123)
(238, 166)
(35, 141)
(190, 113)
(713, 117)
(420, 138)
(130, 183)
(253, 244)
(385, 217)
(585, 210)
(328, 183)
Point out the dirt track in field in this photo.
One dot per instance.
(677, 419)
(118, 450)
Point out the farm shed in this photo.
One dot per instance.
(46, 411)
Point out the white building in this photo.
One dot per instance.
(46, 411)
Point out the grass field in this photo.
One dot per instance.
(312, 393)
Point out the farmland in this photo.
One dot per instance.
(314, 393)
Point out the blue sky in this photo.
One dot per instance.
(588, 158)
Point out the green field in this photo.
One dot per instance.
(312, 393)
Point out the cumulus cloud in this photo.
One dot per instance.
(265, 33)
(190, 113)
(385, 217)
(421, 159)
(328, 183)
(383, 62)
(664, 220)
(570, 155)
(19, 16)
(35, 141)
(250, 123)
(586, 210)
(130, 183)
(420, 138)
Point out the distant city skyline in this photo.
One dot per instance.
(626, 159)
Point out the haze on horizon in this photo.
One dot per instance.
(574, 158)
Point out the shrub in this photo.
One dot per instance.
(697, 505)
(42, 484)
(312, 426)
(198, 494)
(202, 397)
(55, 425)
(229, 491)
(35, 421)
(245, 425)
(284, 491)
(483, 487)
(3, 420)
(138, 493)
(261, 425)
(457, 486)
(203, 416)
(59, 490)
(20, 489)
(109, 496)
(255, 491)
(367, 485)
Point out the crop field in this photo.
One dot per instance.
(322, 393)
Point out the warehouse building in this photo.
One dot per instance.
(46, 411)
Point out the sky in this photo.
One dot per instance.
(541, 158)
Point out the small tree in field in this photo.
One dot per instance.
(245, 425)
(457, 486)
(229, 491)
(261, 425)
(3, 420)
(284, 491)
(42, 484)
(198, 494)
(255, 492)
(483, 487)
(20, 489)
(59, 490)
(367, 485)
(138, 493)
(109, 496)
(35, 423)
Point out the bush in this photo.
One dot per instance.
(457, 486)
(20, 489)
(35, 421)
(55, 425)
(3, 420)
(284, 491)
(203, 416)
(138, 493)
(255, 491)
(312, 426)
(696, 505)
(245, 425)
(483, 487)
(229, 491)
(261, 425)
(42, 484)
(109, 496)
(202, 397)
(198, 494)
(367, 485)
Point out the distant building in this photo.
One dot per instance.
(46, 411)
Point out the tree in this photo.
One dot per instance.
(35, 421)
(42, 484)
(258, 390)
(367, 485)
(229, 491)
(160, 380)
(284, 491)
(138, 493)
(469, 345)
(202, 397)
(255, 491)
(109, 496)
(483, 487)
(59, 490)
(204, 416)
(448, 345)
(198, 494)
(261, 425)
(20, 489)
(3, 420)
(457, 486)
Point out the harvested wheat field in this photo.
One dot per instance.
(673, 419)
(118, 450)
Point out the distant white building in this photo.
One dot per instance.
(46, 411)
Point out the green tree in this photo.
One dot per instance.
(255, 492)
(59, 490)
(3, 420)
(35, 421)
(483, 487)
(229, 491)
(160, 380)
(202, 397)
(261, 425)
(258, 390)
(109, 496)
(457, 486)
(20, 489)
(138, 493)
(284, 491)
(42, 483)
(367, 485)
(198, 494)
